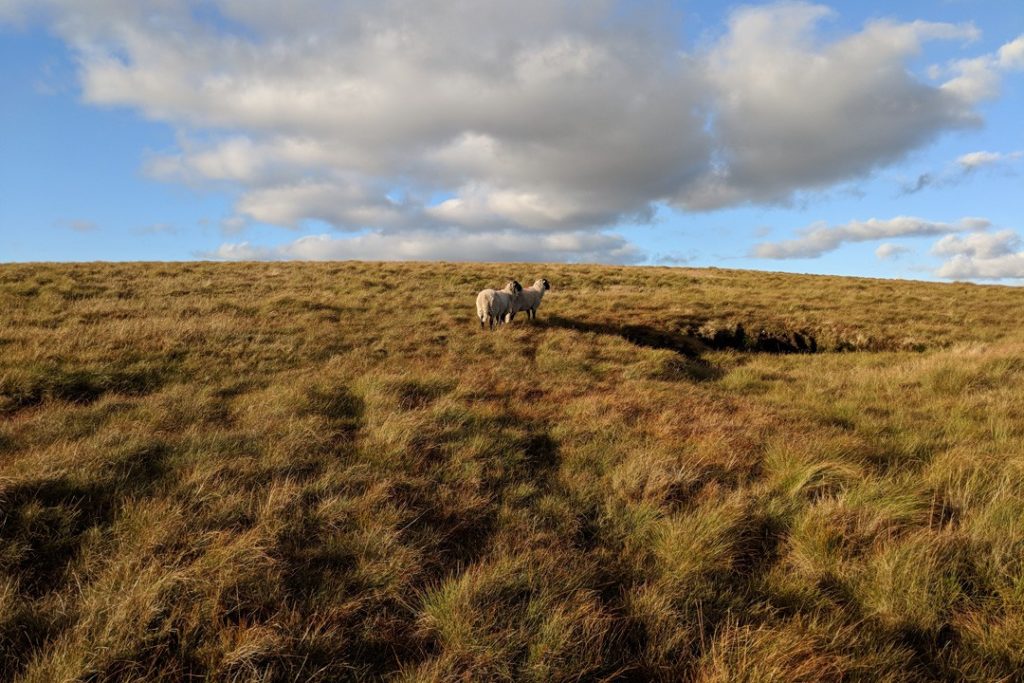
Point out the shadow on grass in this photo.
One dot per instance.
(695, 340)
(78, 385)
(687, 364)
(45, 523)
(448, 533)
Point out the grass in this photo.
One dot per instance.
(278, 472)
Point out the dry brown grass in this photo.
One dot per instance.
(270, 472)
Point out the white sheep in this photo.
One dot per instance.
(496, 306)
(529, 299)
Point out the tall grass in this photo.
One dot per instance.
(326, 472)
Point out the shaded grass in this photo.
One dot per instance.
(25, 387)
(258, 472)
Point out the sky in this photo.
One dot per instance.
(851, 138)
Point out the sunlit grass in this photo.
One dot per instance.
(328, 472)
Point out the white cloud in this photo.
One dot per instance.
(890, 251)
(973, 160)
(981, 245)
(982, 256)
(447, 245)
(821, 237)
(547, 116)
(795, 112)
(1011, 55)
(534, 113)
(979, 78)
(346, 206)
(961, 267)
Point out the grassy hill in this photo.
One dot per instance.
(290, 471)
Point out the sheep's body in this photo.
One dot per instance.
(529, 299)
(494, 307)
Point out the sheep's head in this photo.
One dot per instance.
(542, 285)
(513, 287)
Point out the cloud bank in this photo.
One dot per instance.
(449, 245)
(481, 121)
(970, 251)
(821, 238)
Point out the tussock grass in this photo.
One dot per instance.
(264, 472)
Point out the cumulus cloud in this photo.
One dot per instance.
(547, 116)
(979, 78)
(821, 237)
(981, 245)
(793, 112)
(1011, 55)
(994, 256)
(448, 245)
(890, 251)
(346, 206)
(1006, 267)
(532, 114)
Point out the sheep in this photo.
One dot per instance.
(529, 299)
(495, 306)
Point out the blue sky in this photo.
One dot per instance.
(782, 136)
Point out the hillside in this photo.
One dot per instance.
(295, 471)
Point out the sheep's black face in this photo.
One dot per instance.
(547, 285)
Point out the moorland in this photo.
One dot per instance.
(295, 471)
